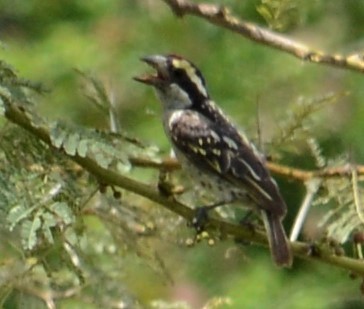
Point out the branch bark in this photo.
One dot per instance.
(19, 116)
(170, 164)
(222, 17)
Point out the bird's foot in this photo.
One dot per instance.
(247, 221)
(201, 217)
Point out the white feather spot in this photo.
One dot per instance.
(251, 170)
(215, 136)
(175, 116)
(230, 142)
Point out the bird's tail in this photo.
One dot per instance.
(278, 243)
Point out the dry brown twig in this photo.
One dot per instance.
(221, 16)
(293, 173)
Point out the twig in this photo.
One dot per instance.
(294, 173)
(357, 201)
(312, 187)
(48, 296)
(220, 16)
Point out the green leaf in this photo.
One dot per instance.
(82, 148)
(71, 236)
(17, 214)
(123, 167)
(264, 11)
(102, 160)
(2, 107)
(5, 93)
(71, 143)
(49, 220)
(63, 211)
(57, 135)
(29, 232)
(48, 234)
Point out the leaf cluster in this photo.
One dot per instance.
(46, 200)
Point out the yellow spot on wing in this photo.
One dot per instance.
(197, 149)
(215, 165)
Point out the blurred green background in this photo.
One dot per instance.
(46, 40)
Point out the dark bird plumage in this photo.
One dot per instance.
(212, 150)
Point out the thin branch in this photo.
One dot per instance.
(294, 173)
(19, 116)
(221, 16)
(357, 201)
(48, 296)
(312, 187)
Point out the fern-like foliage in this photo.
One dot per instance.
(45, 200)
(283, 15)
(344, 197)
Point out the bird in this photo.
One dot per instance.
(211, 149)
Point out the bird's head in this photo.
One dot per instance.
(178, 82)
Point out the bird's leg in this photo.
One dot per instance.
(201, 216)
(246, 220)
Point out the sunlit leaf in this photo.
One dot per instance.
(49, 219)
(71, 143)
(102, 160)
(16, 214)
(48, 234)
(58, 136)
(29, 229)
(82, 148)
(63, 211)
(123, 167)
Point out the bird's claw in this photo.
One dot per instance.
(200, 219)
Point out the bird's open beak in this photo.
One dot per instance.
(159, 63)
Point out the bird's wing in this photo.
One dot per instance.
(222, 151)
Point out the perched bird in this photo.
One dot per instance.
(211, 149)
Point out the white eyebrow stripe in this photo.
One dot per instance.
(197, 81)
(191, 72)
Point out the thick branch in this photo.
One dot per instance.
(220, 16)
(19, 116)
